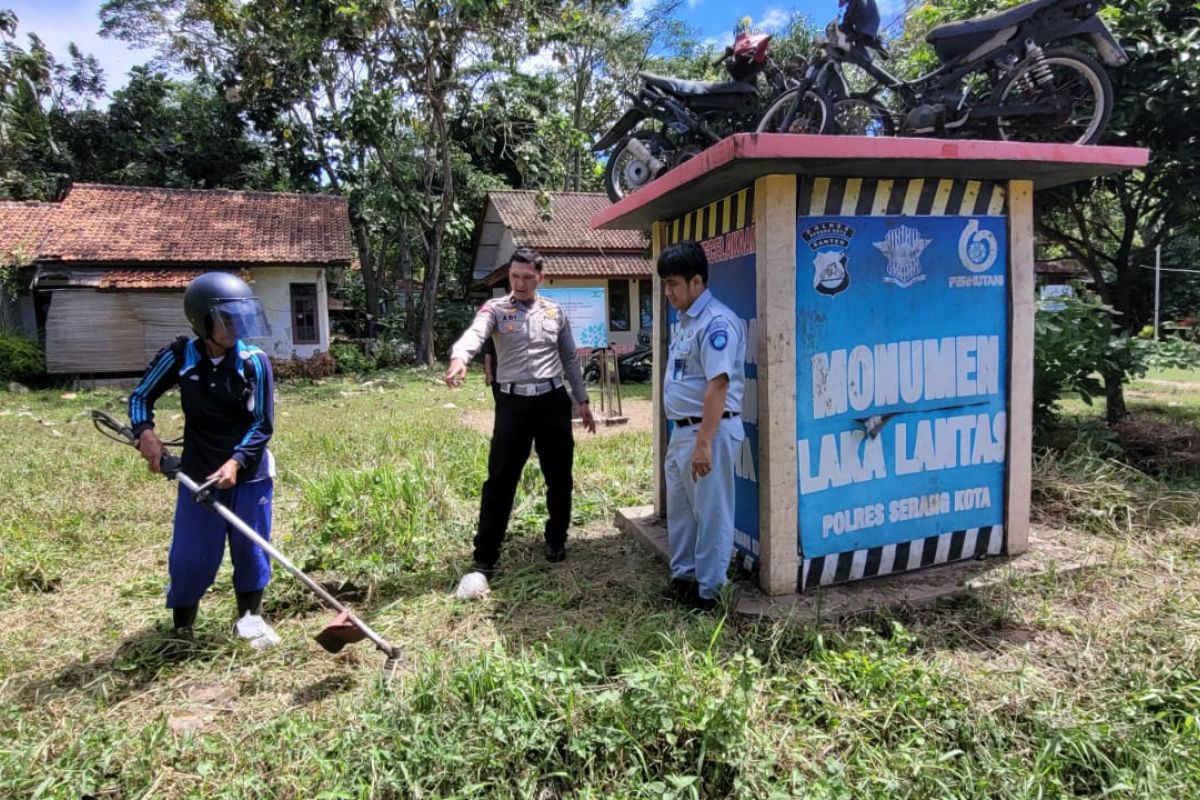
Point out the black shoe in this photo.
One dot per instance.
(183, 619)
(556, 552)
(704, 605)
(488, 570)
(681, 591)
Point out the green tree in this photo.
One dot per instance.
(1112, 225)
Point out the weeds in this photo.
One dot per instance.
(572, 680)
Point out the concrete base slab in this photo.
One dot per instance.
(1059, 552)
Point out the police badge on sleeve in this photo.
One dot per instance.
(829, 242)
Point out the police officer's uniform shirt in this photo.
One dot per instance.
(533, 342)
(709, 341)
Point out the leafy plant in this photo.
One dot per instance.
(20, 358)
(350, 358)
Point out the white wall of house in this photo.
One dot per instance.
(273, 285)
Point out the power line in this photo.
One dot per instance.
(1170, 269)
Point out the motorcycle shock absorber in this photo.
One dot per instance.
(1042, 77)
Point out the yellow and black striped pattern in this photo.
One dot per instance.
(728, 214)
(846, 197)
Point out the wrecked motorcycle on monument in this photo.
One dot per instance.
(689, 116)
(1016, 74)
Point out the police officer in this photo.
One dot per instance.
(535, 353)
(702, 397)
(226, 389)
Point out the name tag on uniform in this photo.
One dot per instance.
(679, 368)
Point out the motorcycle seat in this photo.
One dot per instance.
(682, 88)
(978, 28)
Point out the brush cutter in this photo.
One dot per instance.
(345, 629)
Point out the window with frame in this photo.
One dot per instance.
(646, 303)
(306, 327)
(618, 305)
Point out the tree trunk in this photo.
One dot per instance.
(370, 283)
(425, 343)
(406, 275)
(1114, 394)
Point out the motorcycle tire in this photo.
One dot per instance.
(624, 173)
(813, 116)
(1068, 69)
(861, 116)
(591, 374)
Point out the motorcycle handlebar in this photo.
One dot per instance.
(728, 52)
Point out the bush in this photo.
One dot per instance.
(20, 359)
(319, 365)
(393, 352)
(1070, 347)
(350, 358)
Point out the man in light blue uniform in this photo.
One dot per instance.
(702, 397)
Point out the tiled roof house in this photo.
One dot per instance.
(110, 264)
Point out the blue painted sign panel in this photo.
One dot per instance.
(587, 309)
(901, 370)
(734, 283)
(732, 280)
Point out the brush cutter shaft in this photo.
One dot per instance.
(284, 562)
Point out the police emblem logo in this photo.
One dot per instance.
(829, 272)
(903, 247)
(829, 242)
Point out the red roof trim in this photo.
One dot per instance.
(830, 150)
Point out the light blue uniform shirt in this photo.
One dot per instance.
(709, 341)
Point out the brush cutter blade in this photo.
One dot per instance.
(339, 633)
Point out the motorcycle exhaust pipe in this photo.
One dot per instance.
(643, 154)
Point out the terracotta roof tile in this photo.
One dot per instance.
(133, 224)
(146, 278)
(23, 226)
(585, 265)
(568, 225)
(103, 279)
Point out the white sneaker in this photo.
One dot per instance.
(255, 630)
(473, 586)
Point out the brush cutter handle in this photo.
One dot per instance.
(286, 563)
(169, 465)
(108, 425)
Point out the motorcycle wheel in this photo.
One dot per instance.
(625, 173)
(1074, 78)
(591, 374)
(859, 116)
(812, 116)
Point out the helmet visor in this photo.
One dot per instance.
(239, 319)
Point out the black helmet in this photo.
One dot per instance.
(219, 301)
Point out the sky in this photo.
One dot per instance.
(58, 22)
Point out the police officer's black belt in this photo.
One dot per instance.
(683, 423)
(531, 389)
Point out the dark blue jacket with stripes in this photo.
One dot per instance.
(228, 407)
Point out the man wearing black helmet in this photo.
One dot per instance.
(226, 388)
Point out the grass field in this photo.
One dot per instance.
(571, 680)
